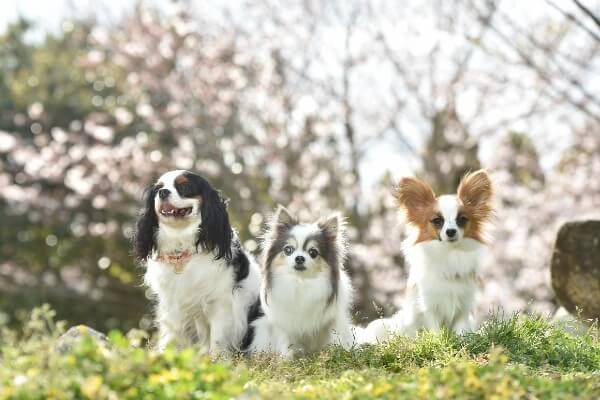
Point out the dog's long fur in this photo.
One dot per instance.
(443, 253)
(305, 306)
(205, 303)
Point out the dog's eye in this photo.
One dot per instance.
(288, 250)
(313, 252)
(438, 221)
(461, 220)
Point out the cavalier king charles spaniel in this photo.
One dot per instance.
(203, 280)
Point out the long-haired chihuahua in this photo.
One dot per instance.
(305, 294)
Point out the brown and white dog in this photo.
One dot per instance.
(443, 253)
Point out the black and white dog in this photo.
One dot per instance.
(305, 295)
(203, 280)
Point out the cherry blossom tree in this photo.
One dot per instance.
(318, 106)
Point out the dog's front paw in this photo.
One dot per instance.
(464, 325)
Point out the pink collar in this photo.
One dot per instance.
(177, 259)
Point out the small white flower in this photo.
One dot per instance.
(19, 380)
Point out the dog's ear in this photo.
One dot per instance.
(282, 216)
(332, 225)
(144, 237)
(333, 229)
(333, 247)
(278, 224)
(412, 193)
(475, 188)
(215, 234)
(415, 198)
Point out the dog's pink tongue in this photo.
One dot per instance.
(168, 207)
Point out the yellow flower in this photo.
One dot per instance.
(54, 393)
(6, 392)
(91, 386)
(472, 381)
(423, 382)
(381, 389)
(167, 376)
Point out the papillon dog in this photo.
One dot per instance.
(305, 295)
(443, 252)
(203, 280)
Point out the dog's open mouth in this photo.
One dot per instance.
(168, 210)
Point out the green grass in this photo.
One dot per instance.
(512, 358)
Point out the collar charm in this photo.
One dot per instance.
(177, 259)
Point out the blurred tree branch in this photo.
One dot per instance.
(554, 82)
(574, 19)
(588, 12)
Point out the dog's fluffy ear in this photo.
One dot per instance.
(334, 232)
(273, 239)
(475, 188)
(215, 233)
(413, 193)
(331, 225)
(282, 216)
(280, 222)
(144, 237)
(415, 198)
(476, 191)
(334, 247)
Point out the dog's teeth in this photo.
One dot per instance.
(177, 212)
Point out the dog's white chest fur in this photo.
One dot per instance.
(441, 285)
(300, 306)
(300, 316)
(201, 282)
(440, 293)
(202, 304)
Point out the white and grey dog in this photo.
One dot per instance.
(203, 280)
(305, 295)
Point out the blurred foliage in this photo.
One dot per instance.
(512, 358)
(33, 368)
(49, 92)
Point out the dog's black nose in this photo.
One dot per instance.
(451, 232)
(300, 260)
(163, 193)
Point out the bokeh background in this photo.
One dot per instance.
(319, 105)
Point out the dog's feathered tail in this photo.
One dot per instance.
(379, 330)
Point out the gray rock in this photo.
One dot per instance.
(576, 268)
(74, 334)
